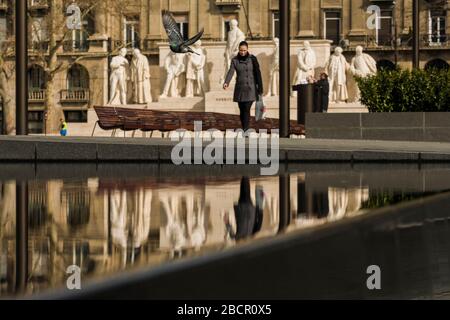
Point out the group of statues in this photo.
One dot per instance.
(362, 65)
(191, 64)
(138, 73)
(186, 72)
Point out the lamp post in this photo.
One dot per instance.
(416, 35)
(285, 91)
(21, 68)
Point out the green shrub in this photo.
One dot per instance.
(406, 91)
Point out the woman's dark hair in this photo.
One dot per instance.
(243, 44)
(324, 75)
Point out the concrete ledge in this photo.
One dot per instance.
(395, 126)
(17, 150)
(66, 151)
(124, 152)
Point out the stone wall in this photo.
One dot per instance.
(408, 126)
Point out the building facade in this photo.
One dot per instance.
(344, 23)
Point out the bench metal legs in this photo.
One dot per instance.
(93, 131)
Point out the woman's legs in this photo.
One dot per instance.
(245, 114)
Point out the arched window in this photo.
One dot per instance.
(385, 65)
(77, 78)
(36, 78)
(438, 64)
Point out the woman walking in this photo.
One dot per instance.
(249, 86)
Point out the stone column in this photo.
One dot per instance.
(155, 30)
(255, 17)
(306, 29)
(358, 18)
(100, 20)
(204, 18)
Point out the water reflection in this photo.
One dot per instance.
(105, 225)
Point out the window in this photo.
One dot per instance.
(36, 122)
(226, 26)
(131, 31)
(183, 25)
(332, 29)
(75, 116)
(79, 38)
(384, 31)
(39, 33)
(3, 27)
(77, 78)
(276, 24)
(436, 27)
(36, 78)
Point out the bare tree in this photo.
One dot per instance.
(7, 68)
(48, 45)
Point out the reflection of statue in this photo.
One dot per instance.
(119, 78)
(306, 63)
(174, 66)
(140, 76)
(235, 37)
(195, 73)
(362, 65)
(275, 70)
(130, 220)
(195, 221)
(336, 69)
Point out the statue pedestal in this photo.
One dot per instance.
(179, 104)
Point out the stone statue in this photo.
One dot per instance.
(140, 76)
(362, 65)
(174, 65)
(118, 79)
(336, 69)
(275, 70)
(235, 37)
(195, 74)
(306, 63)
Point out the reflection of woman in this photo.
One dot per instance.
(248, 217)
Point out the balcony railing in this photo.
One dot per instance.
(75, 95)
(405, 42)
(39, 46)
(76, 46)
(228, 2)
(4, 5)
(38, 4)
(36, 95)
(117, 44)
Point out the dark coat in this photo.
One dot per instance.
(248, 81)
(324, 85)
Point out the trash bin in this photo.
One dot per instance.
(305, 101)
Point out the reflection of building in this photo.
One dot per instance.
(85, 84)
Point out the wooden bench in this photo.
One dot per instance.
(145, 120)
(108, 119)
